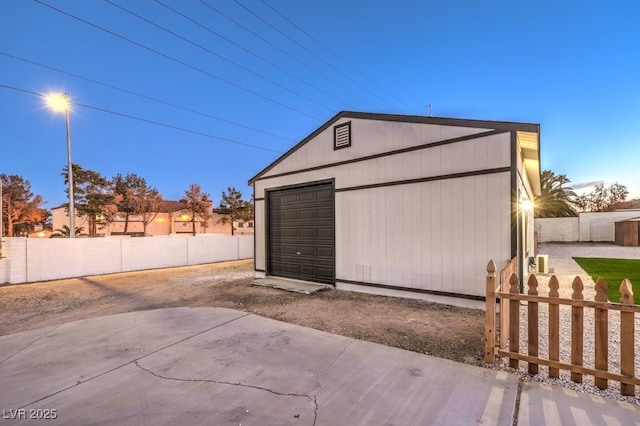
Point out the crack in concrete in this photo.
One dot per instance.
(311, 398)
(24, 348)
(219, 382)
(319, 385)
(134, 360)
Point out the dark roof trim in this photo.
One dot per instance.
(427, 179)
(459, 122)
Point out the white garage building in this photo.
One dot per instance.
(399, 205)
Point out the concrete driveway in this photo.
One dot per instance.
(220, 366)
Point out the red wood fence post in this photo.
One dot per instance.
(490, 315)
(627, 325)
(532, 323)
(514, 315)
(601, 323)
(577, 329)
(554, 326)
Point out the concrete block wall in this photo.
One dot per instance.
(31, 259)
(561, 229)
(587, 227)
(600, 226)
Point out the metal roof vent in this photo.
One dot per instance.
(342, 135)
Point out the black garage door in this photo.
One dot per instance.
(301, 233)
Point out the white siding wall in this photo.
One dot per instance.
(35, 259)
(259, 229)
(432, 235)
(369, 137)
(436, 235)
(477, 154)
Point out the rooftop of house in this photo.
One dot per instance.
(166, 206)
(626, 205)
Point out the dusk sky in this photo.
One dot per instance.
(212, 91)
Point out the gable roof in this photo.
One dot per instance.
(528, 128)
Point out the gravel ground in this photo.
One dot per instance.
(415, 325)
(565, 269)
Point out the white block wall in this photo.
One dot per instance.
(601, 226)
(560, 229)
(31, 259)
(587, 227)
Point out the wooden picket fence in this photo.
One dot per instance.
(502, 328)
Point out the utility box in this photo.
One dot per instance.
(542, 264)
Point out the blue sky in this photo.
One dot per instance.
(240, 83)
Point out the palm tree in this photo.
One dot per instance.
(556, 200)
(66, 231)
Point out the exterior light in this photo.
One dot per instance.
(526, 205)
(59, 103)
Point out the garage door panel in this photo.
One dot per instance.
(301, 233)
(325, 194)
(324, 214)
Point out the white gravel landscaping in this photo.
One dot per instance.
(565, 269)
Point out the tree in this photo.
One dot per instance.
(20, 207)
(125, 188)
(234, 207)
(601, 198)
(65, 232)
(136, 198)
(93, 197)
(147, 204)
(198, 203)
(556, 199)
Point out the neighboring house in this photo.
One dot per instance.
(400, 205)
(41, 233)
(172, 218)
(242, 227)
(625, 205)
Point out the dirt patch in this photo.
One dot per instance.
(439, 330)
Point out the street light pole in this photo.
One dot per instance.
(72, 207)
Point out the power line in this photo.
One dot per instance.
(182, 129)
(204, 114)
(145, 120)
(287, 53)
(334, 54)
(266, 61)
(200, 70)
(310, 52)
(275, 83)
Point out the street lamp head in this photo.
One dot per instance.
(58, 102)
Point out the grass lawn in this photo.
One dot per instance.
(614, 271)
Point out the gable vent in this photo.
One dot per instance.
(342, 136)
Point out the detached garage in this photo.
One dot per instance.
(399, 205)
